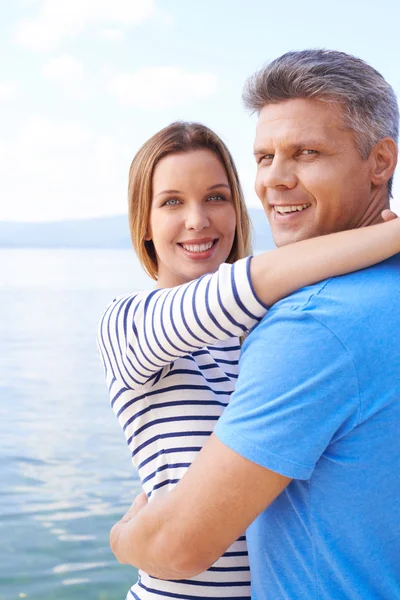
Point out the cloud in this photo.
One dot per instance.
(7, 90)
(395, 201)
(57, 20)
(64, 69)
(112, 35)
(162, 87)
(54, 170)
(247, 176)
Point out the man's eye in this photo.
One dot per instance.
(265, 158)
(172, 202)
(308, 151)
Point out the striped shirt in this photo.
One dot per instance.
(171, 363)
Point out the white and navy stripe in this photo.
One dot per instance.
(171, 362)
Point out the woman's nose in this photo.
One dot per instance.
(197, 218)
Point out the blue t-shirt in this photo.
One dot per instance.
(318, 400)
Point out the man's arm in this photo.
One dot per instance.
(183, 533)
(297, 387)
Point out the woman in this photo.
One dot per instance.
(171, 354)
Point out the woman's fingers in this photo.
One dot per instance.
(116, 531)
(139, 502)
(388, 215)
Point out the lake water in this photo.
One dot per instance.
(65, 471)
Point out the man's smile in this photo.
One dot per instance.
(290, 208)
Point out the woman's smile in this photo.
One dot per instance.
(199, 249)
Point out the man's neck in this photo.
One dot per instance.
(373, 215)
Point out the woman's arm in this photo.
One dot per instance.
(141, 334)
(280, 272)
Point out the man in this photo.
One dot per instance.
(307, 454)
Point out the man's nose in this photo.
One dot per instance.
(197, 218)
(280, 173)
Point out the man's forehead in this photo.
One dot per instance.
(290, 134)
(297, 121)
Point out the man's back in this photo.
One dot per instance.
(318, 400)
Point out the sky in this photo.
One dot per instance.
(83, 83)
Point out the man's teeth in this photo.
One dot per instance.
(287, 209)
(198, 247)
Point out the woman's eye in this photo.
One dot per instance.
(172, 202)
(216, 197)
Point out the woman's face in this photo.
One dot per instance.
(192, 218)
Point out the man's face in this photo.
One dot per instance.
(311, 178)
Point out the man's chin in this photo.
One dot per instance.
(283, 238)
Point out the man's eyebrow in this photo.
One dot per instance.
(310, 143)
(306, 143)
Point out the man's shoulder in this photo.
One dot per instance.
(350, 308)
(357, 292)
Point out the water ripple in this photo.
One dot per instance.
(75, 567)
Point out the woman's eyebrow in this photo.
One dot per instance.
(212, 187)
(168, 192)
(218, 185)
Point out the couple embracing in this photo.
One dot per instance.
(284, 466)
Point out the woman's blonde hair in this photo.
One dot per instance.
(179, 137)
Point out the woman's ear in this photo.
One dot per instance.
(384, 160)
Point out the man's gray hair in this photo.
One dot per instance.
(369, 102)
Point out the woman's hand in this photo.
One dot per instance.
(139, 502)
(117, 530)
(388, 215)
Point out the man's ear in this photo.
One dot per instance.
(384, 161)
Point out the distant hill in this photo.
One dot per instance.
(105, 232)
(262, 237)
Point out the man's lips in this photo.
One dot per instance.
(287, 209)
(289, 213)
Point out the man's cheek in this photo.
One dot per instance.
(259, 188)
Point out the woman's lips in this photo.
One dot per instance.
(199, 249)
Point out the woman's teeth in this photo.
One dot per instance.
(287, 209)
(198, 247)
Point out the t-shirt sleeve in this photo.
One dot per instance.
(141, 334)
(296, 394)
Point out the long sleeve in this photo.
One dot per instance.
(140, 334)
